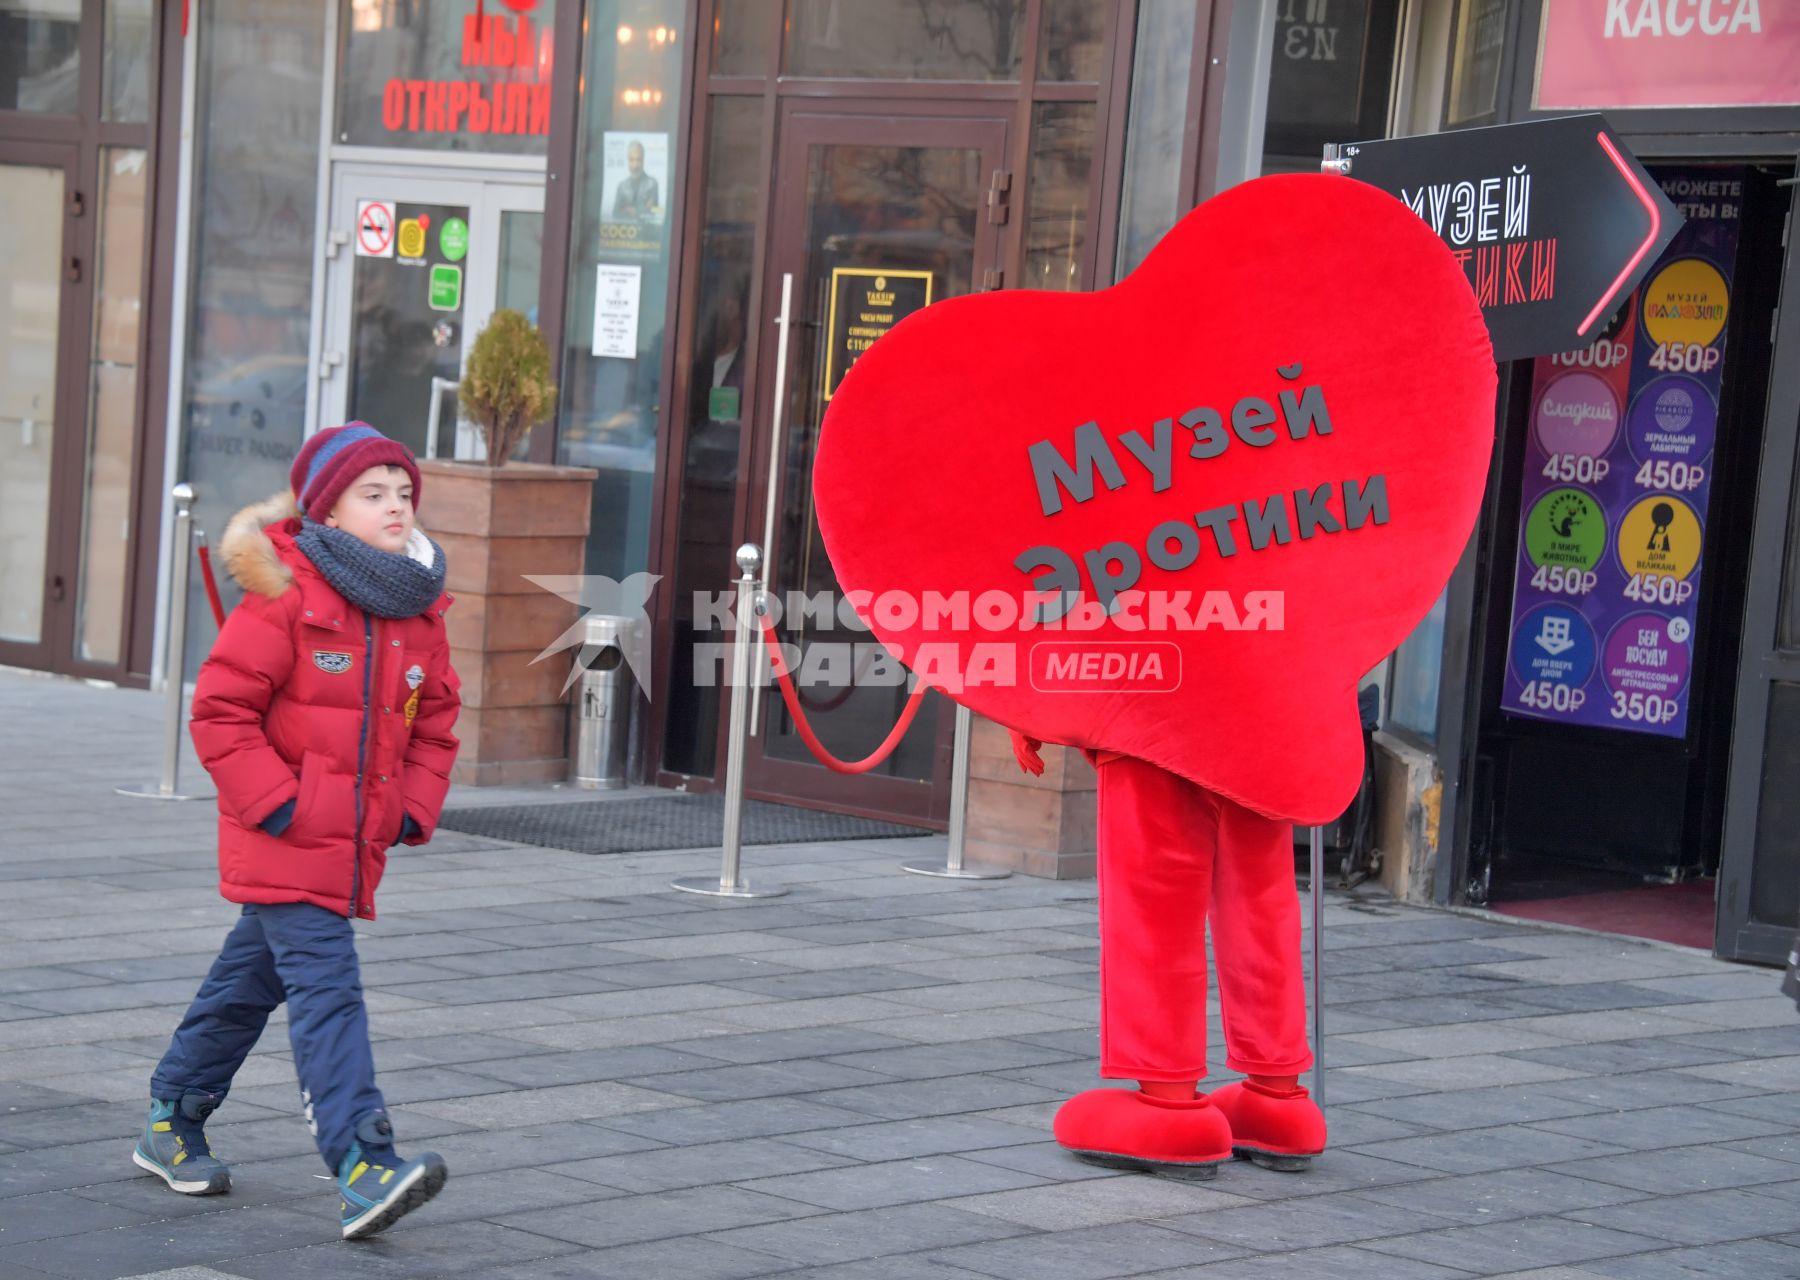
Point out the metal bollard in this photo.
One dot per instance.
(1318, 966)
(731, 883)
(953, 868)
(175, 667)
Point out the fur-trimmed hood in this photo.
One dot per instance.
(249, 553)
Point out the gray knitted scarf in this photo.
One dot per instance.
(384, 583)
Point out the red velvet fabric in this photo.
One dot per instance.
(1158, 1131)
(1174, 857)
(924, 481)
(1272, 1122)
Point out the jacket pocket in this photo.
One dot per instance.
(326, 808)
(312, 768)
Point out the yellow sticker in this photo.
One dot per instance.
(412, 708)
(412, 239)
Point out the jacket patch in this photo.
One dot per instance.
(412, 708)
(333, 664)
(415, 676)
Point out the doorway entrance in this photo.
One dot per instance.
(418, 262)
(1620, 585)
(876, 215)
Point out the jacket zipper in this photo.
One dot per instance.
(362, 752)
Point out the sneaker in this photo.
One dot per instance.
(174, 1146)
(377, 1187)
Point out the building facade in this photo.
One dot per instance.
(244, 220)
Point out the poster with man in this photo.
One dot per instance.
(635, 177)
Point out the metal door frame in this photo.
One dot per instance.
(1764, 662)
(487, 193)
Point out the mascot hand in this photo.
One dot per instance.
(1025, 751)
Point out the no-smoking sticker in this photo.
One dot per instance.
(374, 228)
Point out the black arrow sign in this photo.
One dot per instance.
(1555, 221)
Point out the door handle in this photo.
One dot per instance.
(59, 587)
(329, 361)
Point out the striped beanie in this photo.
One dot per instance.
(330, 462)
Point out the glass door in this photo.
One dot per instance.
(418, 264)
(35, 592)
(876, 217)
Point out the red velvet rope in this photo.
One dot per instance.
(791, 696)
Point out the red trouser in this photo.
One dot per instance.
(1172, 854)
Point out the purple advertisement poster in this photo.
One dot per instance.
(1618, 470)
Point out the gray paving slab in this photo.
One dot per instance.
(855, 1082)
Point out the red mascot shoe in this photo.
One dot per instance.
(1275, 1129)
(1186, 1139)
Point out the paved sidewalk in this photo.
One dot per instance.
(854, 1081)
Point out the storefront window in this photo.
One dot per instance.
(922, 40)
(1330, 70)
(40, 56)
(735, 189)
(622, 245)
(112, 404)
(256, 159)
(1475, 67)
(1775, 880)
(127, 61)
(1073, 40)
(744, 36)
(1418, 664)
(1159, 89)
(455, 76)
(1062, 154)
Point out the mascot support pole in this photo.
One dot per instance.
(1317, 877)
(731, 883)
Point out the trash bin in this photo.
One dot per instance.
(600, 714)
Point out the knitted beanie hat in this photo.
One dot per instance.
(330, 462)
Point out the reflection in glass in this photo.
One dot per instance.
(1775, 870)
(1418, 663)
(626, 186)
(1153, 131)
(1062, 153)
(112, 406)
(40, 56)
(403, 336)
(744, 36)
(521, 261)
(920, 40)
(718, 382)
(427, 76)
(1073, 40)
(900, 209)
(1475, 69)
(256, 161)
(126, 83)
(31, 201)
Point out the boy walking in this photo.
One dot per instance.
(324, 715)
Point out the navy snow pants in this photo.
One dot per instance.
(305, 955)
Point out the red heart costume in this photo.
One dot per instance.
(1250, 467)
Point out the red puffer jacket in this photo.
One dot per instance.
(306, 698)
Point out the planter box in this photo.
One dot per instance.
(1042, 826)
(497, 524)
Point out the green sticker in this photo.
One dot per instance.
(446, 287)
(1566, 527)
(722, 404)
(453, 239)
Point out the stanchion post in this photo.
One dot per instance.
(1318, 964)
(731, 883)
(953, 867)
(175, 665)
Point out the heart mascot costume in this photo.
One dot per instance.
(1182, 517)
